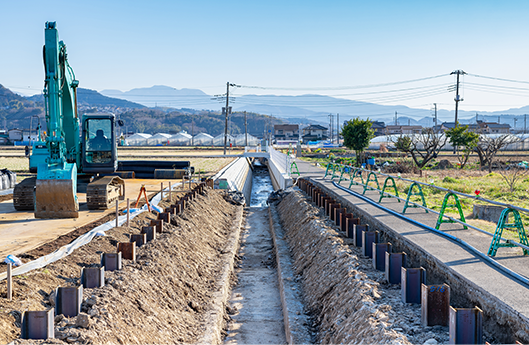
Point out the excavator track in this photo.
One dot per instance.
(102, 193)
(24, 195)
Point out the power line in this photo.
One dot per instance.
(501, 79)
(341, 87)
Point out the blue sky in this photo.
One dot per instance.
(291, 44)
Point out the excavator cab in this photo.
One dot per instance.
(99, 151)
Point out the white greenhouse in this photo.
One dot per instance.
(219, 140)
(158, 139)
(180, 139)
(138, 139)
(240, 140)
(203, 139)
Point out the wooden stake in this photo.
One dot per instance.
(161, 190)
(128, 213)
(170, 193)
(9, 282)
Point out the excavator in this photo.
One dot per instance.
(67, 154)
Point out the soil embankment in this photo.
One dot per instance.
(349, 300)
(163, 297)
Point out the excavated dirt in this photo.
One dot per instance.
(160, 298)
(349, 300)
(6, 197)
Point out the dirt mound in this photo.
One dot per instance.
(444, 164)
(161, 298)
(349, 300)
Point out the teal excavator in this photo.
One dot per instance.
(67, 153)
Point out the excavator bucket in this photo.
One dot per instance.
(55, 199)
(56, 191)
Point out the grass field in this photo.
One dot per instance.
(490, 186)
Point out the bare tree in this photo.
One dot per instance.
(423, 147)
(488, 147)
(513, 174)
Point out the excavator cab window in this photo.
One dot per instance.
(98, 141)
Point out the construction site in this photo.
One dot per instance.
(256, 244)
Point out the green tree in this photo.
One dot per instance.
(465, 141)
(357, 135)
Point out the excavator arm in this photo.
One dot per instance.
(56, 185)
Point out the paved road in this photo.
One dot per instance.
(454, 256)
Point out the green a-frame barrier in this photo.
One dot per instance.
(410, 193)
(445, 206)
(393, 185)
(503, 224)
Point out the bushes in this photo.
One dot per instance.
(449, 179)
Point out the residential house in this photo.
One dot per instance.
(314, 133)
(490, 127)
(398, 129)
(379, 127)
(286, 132)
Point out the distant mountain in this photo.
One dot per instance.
(165, 96)
(92, 98)
(311, 108)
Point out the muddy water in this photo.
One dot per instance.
(255, 305)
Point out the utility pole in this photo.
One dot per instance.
(457, 99)
(408, 122)
(524, 123)
(499, 117)
(245, 130)
(226, 115)
(476, 117)
(337, 128)
(330, 127)
(192, 131)
(435, 116)
(396, 119)
(515, 120)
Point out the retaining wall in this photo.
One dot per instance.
(499, 319)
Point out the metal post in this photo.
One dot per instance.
(170, 193)
(161, 191)
(128, 212)
(457, 99)
(9, 282)
(226, 116)
(245, 130)
(117, 214)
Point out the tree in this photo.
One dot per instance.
(357, 135)
(423, 147)
(462, 138)
(513, 174)
(488, 146)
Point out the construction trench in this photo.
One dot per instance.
(272, 272)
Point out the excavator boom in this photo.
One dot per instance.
(56, 185)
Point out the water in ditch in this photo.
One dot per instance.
(255, 304)
(261, 187)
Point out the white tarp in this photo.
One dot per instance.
(80, 241)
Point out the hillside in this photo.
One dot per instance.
(157, 121)
(92, 98)
(16, 111)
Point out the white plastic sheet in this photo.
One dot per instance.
(80, 241)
